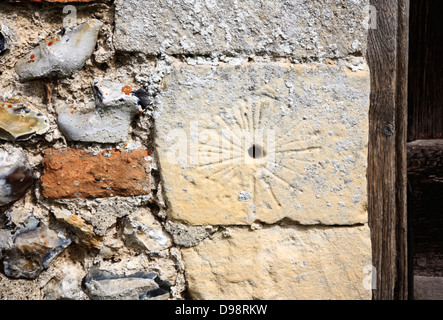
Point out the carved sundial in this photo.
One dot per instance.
(252, 148)
(257, 143)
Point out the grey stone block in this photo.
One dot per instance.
(297, 28)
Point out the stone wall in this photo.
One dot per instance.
(191, 149)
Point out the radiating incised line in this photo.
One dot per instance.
(298, 149)
(223, 161)
(277, 176)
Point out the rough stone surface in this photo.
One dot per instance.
(102, 285)
(142, 230)
(141, 265)
(66, 284)
(5, 241)
(32, 251)
(292, 262)
(83, 230)
(23, 215)
(61, 54)
(18, 289)
(299, 28)
(55, 1)
(16, 175)
(106, 121)
(20, 120)
(264, 141)
(74, 173)
(186, 235)
(102, 213)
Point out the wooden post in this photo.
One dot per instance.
(387, 169)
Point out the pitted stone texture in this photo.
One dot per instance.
(103, 213)
(288, 263)
(18, 289)
(72, 173)
(264, 141)
(188, 236)
(60, 55)
(299, 28)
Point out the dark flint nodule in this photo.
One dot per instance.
(19, 180)
(3, 43)
(97, 93)
(143, 97)
(16, 176)
(32, 251)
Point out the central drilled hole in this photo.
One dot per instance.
(256, 152)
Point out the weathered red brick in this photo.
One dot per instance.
(72, 173)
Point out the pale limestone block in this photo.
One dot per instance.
(309, 127)
(287, 263)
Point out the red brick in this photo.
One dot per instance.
(72, 173)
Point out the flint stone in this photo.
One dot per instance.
(5, 241)
(66, 285)
(32, 252)
(3, 39)
(83, 230)
(107, 121)
(103, 285)
(16, 175)
(60, 55)
(142, 230)
(20, 120)
(297, 28)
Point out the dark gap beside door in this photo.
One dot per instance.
(425, 149)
